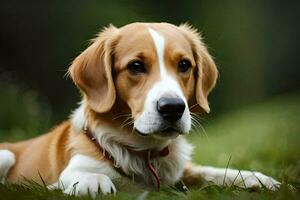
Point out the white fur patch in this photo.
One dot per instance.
(85, 174)
(7, 160)
(78, 117)
(159, 42)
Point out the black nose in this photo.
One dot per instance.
(171, 109)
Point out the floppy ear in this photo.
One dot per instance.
(91, 71)
(207, 73)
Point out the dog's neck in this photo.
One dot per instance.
(112, 138)
(146, 155)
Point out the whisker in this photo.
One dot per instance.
(193, 106)
(127, 124)
(121, 115)
(197, 116)
(194, 123)
(196, 120)
(128, 118)
(204, 131)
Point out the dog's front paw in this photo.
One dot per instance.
(92, 184)
(259, 180)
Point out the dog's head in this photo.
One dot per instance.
(157, 69)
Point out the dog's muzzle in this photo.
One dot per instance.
(169, 118)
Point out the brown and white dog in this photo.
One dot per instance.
(137, 82)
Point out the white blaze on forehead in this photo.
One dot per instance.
(167, 83)
(159, 42)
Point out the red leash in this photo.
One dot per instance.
(155, 174)
(153, 171)
(151, 168)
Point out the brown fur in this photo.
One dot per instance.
(46, 155)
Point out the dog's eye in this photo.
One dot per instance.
(184, 65)
(136, 67)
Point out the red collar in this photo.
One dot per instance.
(146, 155)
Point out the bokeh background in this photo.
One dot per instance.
(255, 115)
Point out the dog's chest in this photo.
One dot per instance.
(169, 168)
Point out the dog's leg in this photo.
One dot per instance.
(85, 175)
(228, 177)
(7, 160)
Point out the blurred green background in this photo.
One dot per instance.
(255, 107)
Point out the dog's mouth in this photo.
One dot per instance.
(141, 133)
(163, 133)
(169, 130)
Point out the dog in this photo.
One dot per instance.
(138, 85)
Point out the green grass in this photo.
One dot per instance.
(263, 137)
